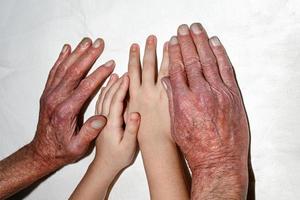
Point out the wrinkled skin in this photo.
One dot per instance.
(60, 137)
(208, 118)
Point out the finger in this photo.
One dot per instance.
(134, 67)
(64, 54)
(86, 88)
(90, 130)
(109, 96)
(98, 106)
(168, 88)
(130, 134)
(80, 68)
(176, 68)
(149, 73)
(190, 58)
(225, 67)
(81, 48)
(207, 58)
(113, 78)
(164, 67)
(117, 104)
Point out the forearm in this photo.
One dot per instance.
(164, 170)
(21, 169)
(95, 183)
(218, 183)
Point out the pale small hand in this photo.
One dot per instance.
(116, 146)
(146, 93)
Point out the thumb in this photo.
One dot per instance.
(91, 129)
(168, 88)
(131, 130)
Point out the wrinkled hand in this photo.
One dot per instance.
(61, 138)
(208, 118)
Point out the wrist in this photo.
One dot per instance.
(46, 162)
(157, 138)
(99, 166)
(229, 181)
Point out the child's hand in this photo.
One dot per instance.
(116, 146)
(163, 165)
(147, 95)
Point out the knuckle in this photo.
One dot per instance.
(192, 61)
(176, 67)
(62, 113)
(48, 102)
(86, 84)
(208, 62)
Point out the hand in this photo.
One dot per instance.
(163, 164)
(208, 118)
(147, 95)
(61, 138)
(116, 147)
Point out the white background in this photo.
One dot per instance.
(262, 38)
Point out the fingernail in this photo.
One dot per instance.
(85, 42)
(197, 28)
(150, 39)
(215, 41)
(97, 43)
(109, 63)
(134, 47)
(173, 40)
(134, 116)
(96, 124)
(64, 49)
(113, 76)
(183, 29)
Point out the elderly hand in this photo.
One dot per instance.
(61, 137)
(208, 118)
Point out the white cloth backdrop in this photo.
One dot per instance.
(261, 37)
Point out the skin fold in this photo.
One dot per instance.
(61, 137)
(115, 146)
(208, 118)
(163, 164)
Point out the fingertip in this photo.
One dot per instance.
(151, 40)
(66, 48)
(134, 116)
(183, 29)
(173, 41)
(85, 42)
(99, 42)
(215, 41)
(134, 47)
(113, 77)
(109, 63)
(98, 122)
